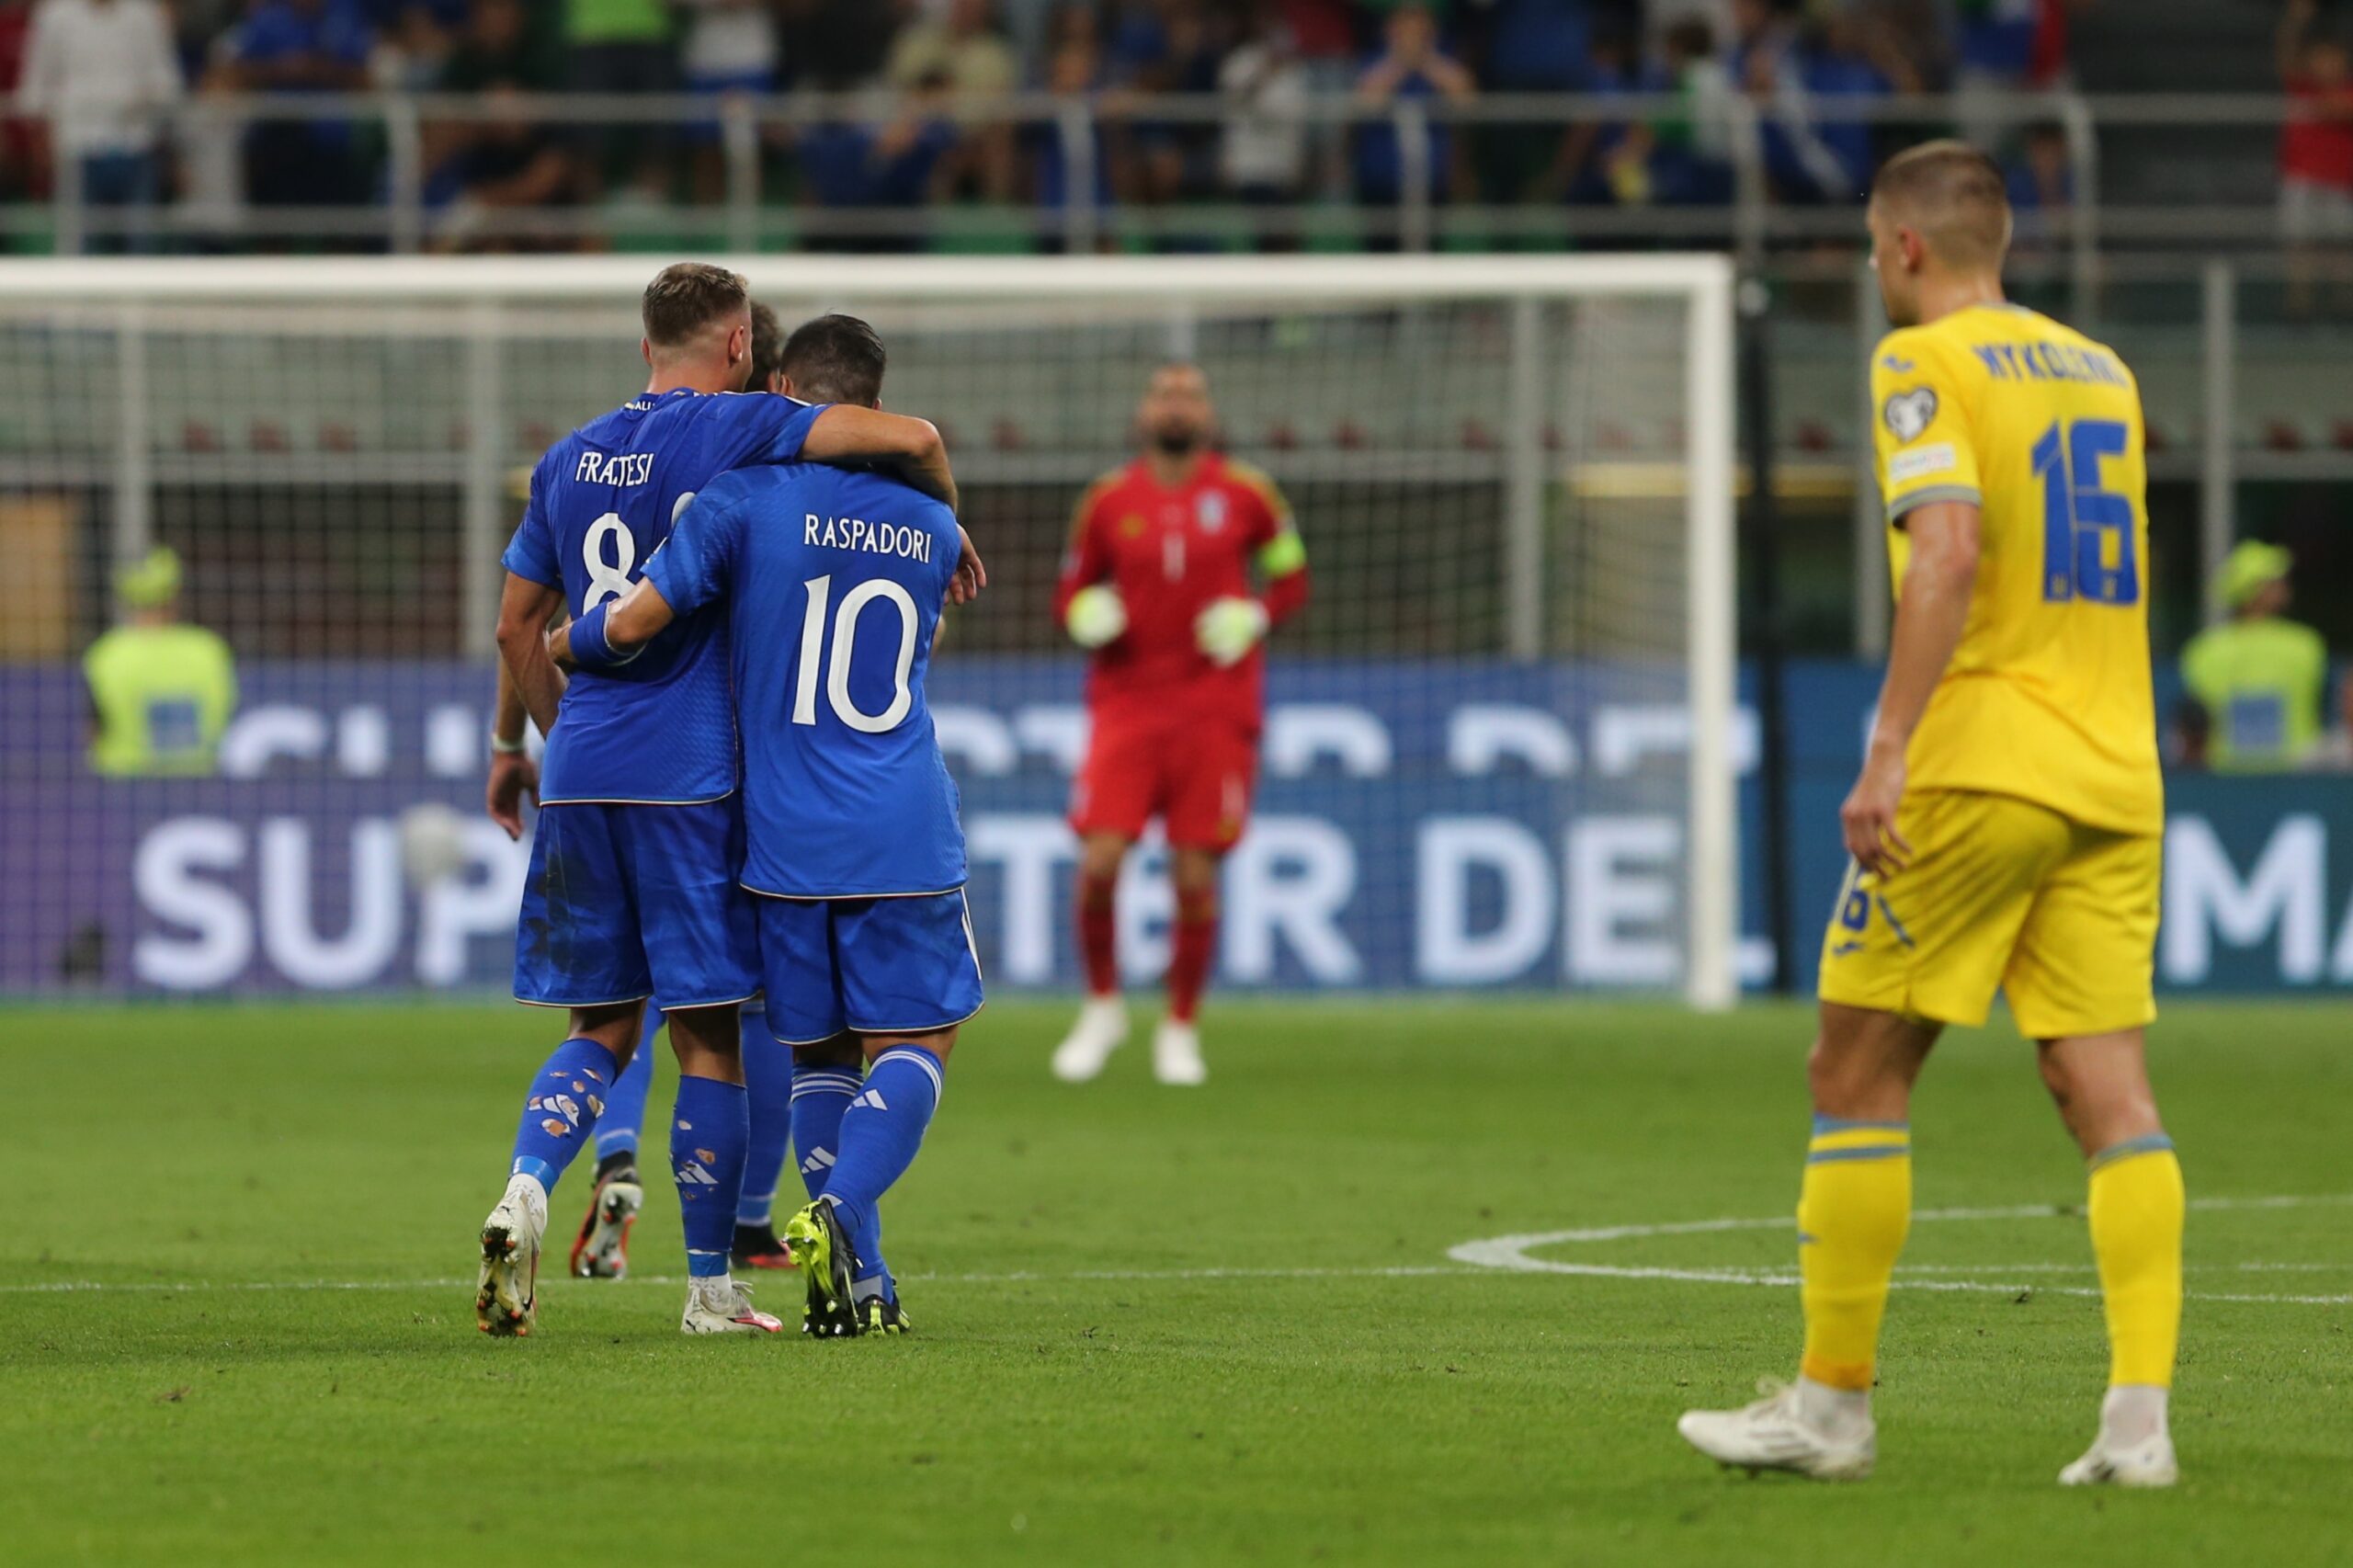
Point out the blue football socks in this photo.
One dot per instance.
(880, 1135)
(560, 1114)
(619, 1130)
(821, 1094)
(767, 1084)
(707, 1141)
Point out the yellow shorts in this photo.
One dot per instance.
(2002, 895)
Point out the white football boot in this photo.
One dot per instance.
(2133, 1448)
(1101, 1028)
(720, 1305)
(1176, 1055)
(1776, 1433)
(506, 1299)
(601, 1250)
(2149, 1462)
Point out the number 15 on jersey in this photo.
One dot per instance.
(2088, 550)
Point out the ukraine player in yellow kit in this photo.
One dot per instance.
(2006, 827)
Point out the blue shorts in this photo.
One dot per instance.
(878, 966)
(630, 901)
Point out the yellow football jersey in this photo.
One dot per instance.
(2048, 696)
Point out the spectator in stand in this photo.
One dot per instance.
(963, 47)
(1323, 37)
(494, 51)
(303, 46)
(889, 159)
(1533, 46)
(415, 52)
(102, 73)
(514, 162)
(25, 167)
(2041, 181)
(1411, 66)
(1907, 39)
(1165, 46)
(1691, 156)
(1840, 65)
(730, 48)
(619, 47)
(210, 215)
(1262, 159)
(1607, 162)
(1075, 70)
(496, 47)
(2002, 47)
(2315, 149)
(1808, 159)
(839, 45)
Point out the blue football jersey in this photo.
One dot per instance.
(657, 729)
(833, 582)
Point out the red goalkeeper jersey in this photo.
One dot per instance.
(1170, 552)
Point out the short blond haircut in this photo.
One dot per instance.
(1953, 196)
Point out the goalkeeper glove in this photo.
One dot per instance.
(1229, 628)
(1095, 617)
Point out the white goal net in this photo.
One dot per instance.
(1501, 749)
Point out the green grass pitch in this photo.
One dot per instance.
(1155, 1326)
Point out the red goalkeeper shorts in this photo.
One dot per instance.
(1197, 775)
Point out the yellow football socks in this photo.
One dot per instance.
(2136, 1210)
(1853, 1211)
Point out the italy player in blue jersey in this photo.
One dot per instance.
(833, 583)
(632, 889)
(600, 1250)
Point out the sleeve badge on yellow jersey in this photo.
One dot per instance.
(1905, 467)
(1910, 412)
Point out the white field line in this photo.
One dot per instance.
(1500, 1253)
(1512, 1253)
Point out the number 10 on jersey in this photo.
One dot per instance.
(2088, 550)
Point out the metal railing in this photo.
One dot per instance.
(753, 133)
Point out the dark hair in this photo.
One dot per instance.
(767, 346)
(687, 297)
(835, 360)
(1954, 195)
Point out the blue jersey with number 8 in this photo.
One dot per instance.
(659, 729)
(2049, 696)
(833, 582)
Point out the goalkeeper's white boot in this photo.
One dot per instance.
(1779, 1432)
(720, 1305)
(2133, 1448)
(506, 1299)
(1176, 1055)
(1102, 1029)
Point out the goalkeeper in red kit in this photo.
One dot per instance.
(1157, 584)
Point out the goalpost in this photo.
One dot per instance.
(1503, 743)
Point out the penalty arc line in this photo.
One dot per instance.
(1511, 1253)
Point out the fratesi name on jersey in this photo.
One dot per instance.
(617, 468)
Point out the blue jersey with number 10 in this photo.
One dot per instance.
(833, 583)
(656, 730)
